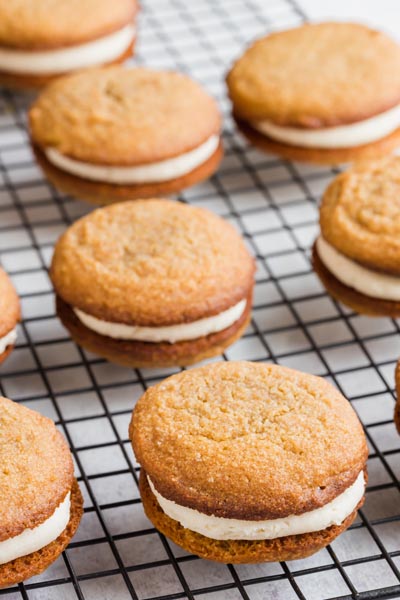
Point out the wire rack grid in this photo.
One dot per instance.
(116, 553)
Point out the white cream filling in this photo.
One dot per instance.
(8, 340)
(344, 136)
(32, 540)
(219, 528)
(46, 62)
(171, 333)
(368, 282)
(153, 172)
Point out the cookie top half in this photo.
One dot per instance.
(360, 214)
(248, 440)
(119, 116)
(46, 24)
(36, 468)
(152, 262)
(9, 304)
(317, 75)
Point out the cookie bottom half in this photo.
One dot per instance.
(99, 193)
(238, 551)
(26, 566)
(365, 305)
(138, 354)
(323, 156)
(26, 81)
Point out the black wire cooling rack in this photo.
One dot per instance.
(117, 554)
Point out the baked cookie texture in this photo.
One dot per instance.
(313, 77)
(119, 116)
(10, 312)
(360, 218)
(47, 26)
(152, 263)
(33, 484)
(124, 118)
(225, 439)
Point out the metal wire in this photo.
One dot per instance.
(117, 553)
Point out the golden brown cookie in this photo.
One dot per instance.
(357, 256)
(10, 314)
(49, 39)
(38, 488)
(320, 93)
(127, 133)
(155, 282)
(243, 446)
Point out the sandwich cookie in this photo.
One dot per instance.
(45, 39)
(153, 283)
(357, 256)
(117, 134)
(40, 501)
(249, 462)
(10, 314)
(324, 93)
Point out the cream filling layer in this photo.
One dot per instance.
(47, 62)
(32, 540)
(344, 136)
(368, 282)
(151, 173)
(8, 340)
(219, 528)
(171, 333)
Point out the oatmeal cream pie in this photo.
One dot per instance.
(9, 315)
(325, 93)
(40, 501)
(248, 462)
(153, 283)
(117, 134)
(44, 39)
(357, 255)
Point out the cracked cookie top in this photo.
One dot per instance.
(360, 214)
(316, 75)
(123, 116)
(248, 440)
(152, 263)
(36, 469)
